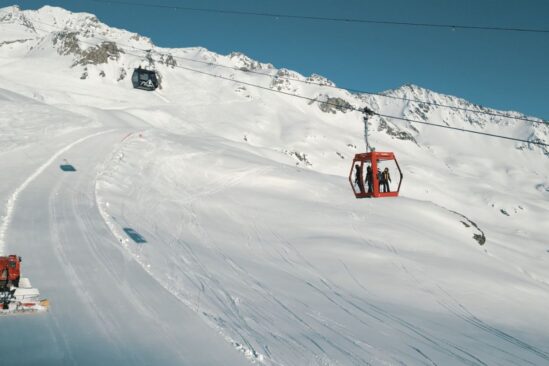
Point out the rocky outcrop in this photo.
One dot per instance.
(282, 80)
(479, 236)
(320, 80)
(333, 105)
(67, 43)
(168, 60)
(245, 63)
(122, 74)
(100, 54)
(299, 156)
(329, 104)
(394, 132)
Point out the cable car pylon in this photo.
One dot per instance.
(376, 182)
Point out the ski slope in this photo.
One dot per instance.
(286, 260)
(211, 223)
(108, 310)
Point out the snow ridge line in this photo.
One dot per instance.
(10, 204)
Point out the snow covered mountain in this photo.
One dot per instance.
(211, 222)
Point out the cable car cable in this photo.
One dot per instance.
(336, 105)
(361, 109)
(357, 91)
(463, 130)
(351, 90)
(319, 18)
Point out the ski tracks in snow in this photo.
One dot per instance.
(460, 311)
(457, 309)
(233, 314)
(371, 316)
(10, 204)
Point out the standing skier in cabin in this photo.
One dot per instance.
(369, 179)
(385, 179)
(378, 176)
(358, 178)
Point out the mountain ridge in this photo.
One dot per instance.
(89, 27)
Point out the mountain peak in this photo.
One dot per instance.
(247, 63)
(60, 14)
(415, 90)
(99, 52)
(10, 9)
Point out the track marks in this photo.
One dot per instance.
(460, 311)
(10, 204)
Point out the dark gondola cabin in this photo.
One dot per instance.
(144, 79)
(372, 175)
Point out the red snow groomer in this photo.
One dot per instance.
(16, 293)
(10, 271)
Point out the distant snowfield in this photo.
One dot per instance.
(212, 223)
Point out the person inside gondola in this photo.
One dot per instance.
(358, 178)
(378, 175)
(385, 179)
(369, 179)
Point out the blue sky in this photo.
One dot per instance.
(503, 70)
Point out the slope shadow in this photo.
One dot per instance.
(134, 235)
(67, 168)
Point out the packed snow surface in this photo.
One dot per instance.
(213, 223)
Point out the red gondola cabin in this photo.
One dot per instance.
(365, 184)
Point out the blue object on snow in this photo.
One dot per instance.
(134, 235)
(67, 168)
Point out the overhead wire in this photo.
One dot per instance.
(464, 130)
(327, 102)
(350, 90)
(359, 91)
(319, 18)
